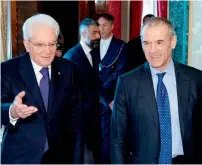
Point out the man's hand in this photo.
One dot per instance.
(20, 110)
(111, 104)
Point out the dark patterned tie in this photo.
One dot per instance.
(164, 121)
(44, 88)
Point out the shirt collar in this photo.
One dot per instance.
(37, 67)
(86, 48)
(169, 70)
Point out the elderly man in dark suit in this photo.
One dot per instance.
(86, 56)
(157, 115)
(39, 98)
(113, 61)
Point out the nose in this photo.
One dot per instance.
(47, 49)
(101, 27)
(152, 48)
(97, 36)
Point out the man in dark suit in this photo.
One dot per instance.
(136, 55)
(157, 115)
(39, 97)
(113, 61)
(88, 146)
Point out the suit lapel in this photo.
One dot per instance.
(95, 58)
(28, 76)
(82, 57)
(54, 87)
(112, 52)
(146, 84)
(182, 84)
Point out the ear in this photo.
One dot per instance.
(112, 26)
(27, 45)
(173, 41)
(84, 34)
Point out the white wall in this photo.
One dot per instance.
(195, 35)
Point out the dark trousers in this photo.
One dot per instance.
(47, 158)
(50, 157)
(105, 130)
(178, 160)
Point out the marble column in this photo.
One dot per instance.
(179, 16)
(195, 35)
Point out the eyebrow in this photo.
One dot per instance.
(160, 40)
(48, 42)
(156, 41)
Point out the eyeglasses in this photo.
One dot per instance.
(43, 46)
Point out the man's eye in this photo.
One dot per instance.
(52, 45)
(40, 45)
(160, 42)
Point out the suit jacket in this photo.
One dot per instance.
(24, 142)
(111, 66)
(135, 127)
(136, 56)
(88, 79)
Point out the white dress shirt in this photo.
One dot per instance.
(87, 50)
(39, 76)
(170, 82)
(104, 46)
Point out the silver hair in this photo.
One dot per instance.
(154, 21)
(41, 19)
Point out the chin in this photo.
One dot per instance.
(46, 63)
(155, 65)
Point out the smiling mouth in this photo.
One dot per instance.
(155, 57)
(46, 57)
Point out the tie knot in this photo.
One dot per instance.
(161, 75)
(44, 72)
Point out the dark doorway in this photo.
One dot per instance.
(66, 14)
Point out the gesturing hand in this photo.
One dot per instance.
(20, 110)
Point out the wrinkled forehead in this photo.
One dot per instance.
(43, 32)
(154, 30)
